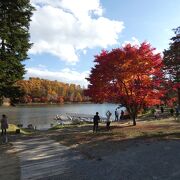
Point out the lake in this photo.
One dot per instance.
(42, 116)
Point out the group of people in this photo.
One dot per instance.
(96, 119)
(174, 111)
(117, 118)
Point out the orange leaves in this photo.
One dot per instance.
(130, 75)
(41, 90)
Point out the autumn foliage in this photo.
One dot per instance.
(38, 90)
(130, 75)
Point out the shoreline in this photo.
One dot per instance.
(45, 104)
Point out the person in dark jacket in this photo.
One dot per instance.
(96, 120)
(122, 115)
(116, 115)
(162, 109)
(172, 112)
(4, 124)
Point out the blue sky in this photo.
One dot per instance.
(68, 33)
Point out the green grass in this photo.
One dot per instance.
(12, 130)
(81, 124)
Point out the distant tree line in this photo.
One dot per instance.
(36, 90)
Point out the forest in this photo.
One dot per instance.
(36, 90)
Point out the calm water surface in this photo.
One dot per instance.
(42, 116)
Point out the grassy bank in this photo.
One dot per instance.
(12, 130)
(121, 135)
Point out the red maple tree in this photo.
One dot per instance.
(130, 75)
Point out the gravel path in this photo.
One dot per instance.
(45, 159)
(9, 163)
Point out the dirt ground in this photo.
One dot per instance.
(120, 136)
(149, 150)
(9, 163)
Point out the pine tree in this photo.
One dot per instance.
(15, 16)
(172, 61)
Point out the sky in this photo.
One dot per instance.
(67, 34)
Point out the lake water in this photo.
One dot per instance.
(42, 116)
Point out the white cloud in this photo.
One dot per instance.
(64, 27)
(42, 67)
(65, 75)
(134, 41)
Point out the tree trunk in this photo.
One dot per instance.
(133, 114)
(134, 120)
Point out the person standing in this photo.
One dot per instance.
(172, 112)
(122, 115)
(116, 115)
(176, 111)
(4, 124)
(162, 109)
(96, 120)
(108, 122)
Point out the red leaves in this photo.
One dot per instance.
(131, 75)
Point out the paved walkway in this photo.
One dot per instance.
(42, 158)
(45, 159)
(9, 163)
